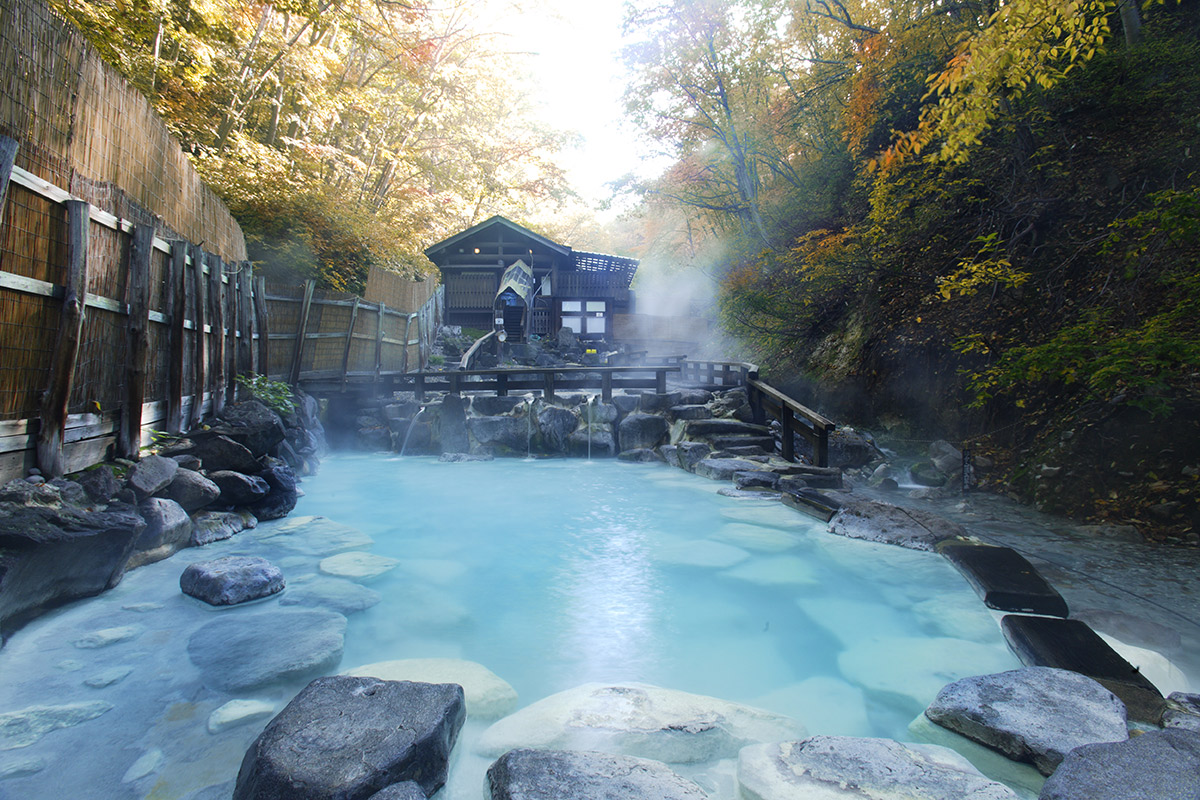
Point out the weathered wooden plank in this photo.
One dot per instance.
(138, 341)
(53, 412)
(245, 349)
(261, 326)
(404, 357)
(8, 152)
(199, 349)
(301, 328)
(175, 301)
(216, 307)
(349, 339)
(379, 342)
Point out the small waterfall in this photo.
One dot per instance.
(408, 432)
(529, 426)
(591, 399)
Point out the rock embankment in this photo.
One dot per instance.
(75, 537)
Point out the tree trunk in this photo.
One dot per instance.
(1131, 21)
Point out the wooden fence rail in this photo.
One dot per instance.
(107, 331)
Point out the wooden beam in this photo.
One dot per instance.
(261, 327)
(379, 342)
(53, 414)
(199, 348)
(350, 339)
(129, 438)
(8, 153)
(404, 359)
(216, 307)
(245, 343)
(175, 303)
(301, 327)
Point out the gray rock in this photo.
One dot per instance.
(248, 651)
(642, 431)
(99, 483)
(168, 529)
(49, 556)
(555, 426)
(692, 453)
(231, 580)
(755, 479)
(695, 397)
(626, 403)
(641, 456)
(252, 425)
(462, 458)
(239, 489)
(723, 469)
(151, 474)
(676, 413)
(188, 462)
(670, 454)
(220, 452)
(405, 790)
(71, 492)
(556, 774)
(280, 501)
(216, 526)
(923, 473)
(1034, 714)
(600, 412)
(703, 428)
(830, 767)
(848, 448)
(945, 456)
(651, 403)
(1183, 711)
(342, 596)
(450, 426)
(598, 441)
(1160, 765)
(30, 493)
(504, 434)
(191, 490)
(802, 475)
(874, 521)
(488, 405)
(26, 726)
(348, 737)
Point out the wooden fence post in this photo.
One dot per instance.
(349, 341)
(260, 326)
(301, 329)
(8, 154)
(50, 459)
(379, 341)
(199, 348)
(407, 328)
(245, 347)
(786, 435)
(216, 306)
(176, 308)
(129, 437)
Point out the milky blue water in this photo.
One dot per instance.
(549, 573)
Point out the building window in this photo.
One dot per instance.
(596, 305)
(574, 324)
(571, 305)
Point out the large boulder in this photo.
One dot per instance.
(488, 696)
(282, 498)
(1160, 765)
(555, 426)
(231, 580)
(651, 403)
(151, 474)
(249, 651)
(450, 424)
(636, 719)
(99, 482)
(216, 526)
(557, 774)
(217, 452)
(689, 454)
(504, 434)
(168, 529)
(252, 425)
(596, 440)
(723, 469)
(874, 521)
(50, 556)
(491, 405)
(191, 490)
(642, 431)
(239, 489)
(848, 448)
(831, 767)
(1034, 714)
(349, 737)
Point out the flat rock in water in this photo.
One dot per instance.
(1071, 644)
(775, 571)
(26, 726)
(831, 767)
(487, 695)
(231, 580)
(637, 719)
(1035, 714)
(723, 469)
(1005, 580)
(318, 536)
(216, 526)
(700, 553)
(350, 737)
(556, 774)
(759, 538)
(238, 712)
(883, 522)
(248, 651)
(918, 667)
(1160, 765)
(357, 566)
(405, 790)
(342, 596)
(108, 677)
(108, 636)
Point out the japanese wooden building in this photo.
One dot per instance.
(498, 270)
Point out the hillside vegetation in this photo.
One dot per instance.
(977, 222)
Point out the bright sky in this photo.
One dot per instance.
(574, 51)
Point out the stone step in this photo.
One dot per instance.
(703, 428)
(811, 502)
(1005, 580)
(1071, 644)
(766, 443)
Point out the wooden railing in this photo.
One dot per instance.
(548, 380)
(717, 373)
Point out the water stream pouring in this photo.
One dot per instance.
(529, 426)
(408, 432)
(591, 399)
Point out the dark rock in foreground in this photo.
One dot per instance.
(555, 774)
(347, 737)
(231, 580)
(248, 651)
(1161, 765)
